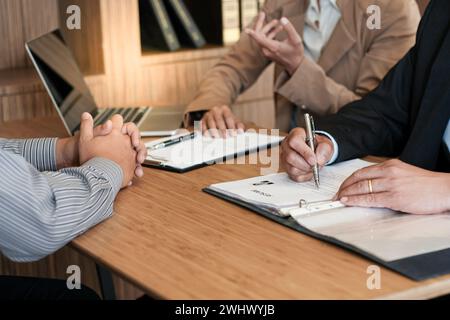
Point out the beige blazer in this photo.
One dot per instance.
(352, 63)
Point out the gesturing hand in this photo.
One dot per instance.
(298, 158)
(288, 53)
(116, 146)
(398, 186)
(67, 149)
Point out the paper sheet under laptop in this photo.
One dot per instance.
(383, 233)
(209, 150)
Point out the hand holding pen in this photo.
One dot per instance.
(299, 159)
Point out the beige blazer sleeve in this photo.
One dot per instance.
(235, 72)
(312, 87)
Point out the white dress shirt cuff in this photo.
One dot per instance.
(335, 146)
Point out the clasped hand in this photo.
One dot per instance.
(113, 140)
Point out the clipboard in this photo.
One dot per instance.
(164, 164)
(419, 267)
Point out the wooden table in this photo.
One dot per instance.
(176, 242)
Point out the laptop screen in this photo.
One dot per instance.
(62, 77)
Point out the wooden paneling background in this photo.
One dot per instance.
(21, 95)
(20, 21)
(86, 45)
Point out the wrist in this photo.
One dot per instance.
(67, 153)
(295, 65)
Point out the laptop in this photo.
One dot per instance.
(71, 96)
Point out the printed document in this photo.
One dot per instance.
(383, 233)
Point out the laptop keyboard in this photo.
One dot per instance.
(129, 114)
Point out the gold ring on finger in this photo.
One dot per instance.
(370, 186)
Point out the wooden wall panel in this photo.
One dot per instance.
(22, 96)
(25, 106)
(86, 44)
(122, 51)
(20, 21)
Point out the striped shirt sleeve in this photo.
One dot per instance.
(43, 210)
(41, 153)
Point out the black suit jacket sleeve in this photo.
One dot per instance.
(379, 124)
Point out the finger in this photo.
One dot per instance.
(139, 172)
(104, 129)
(271, 45)
(117, 122)
(292, 34)
(212, 128)
(204, 126)
(86, 127)
(231, 125)
(369, 173)
(293, 159)
(231, 121)
(269, 27)
(260, 21)
(298, 144)
(132, 130)
(301, 178)
(275, 32)
(240, 127)
(295, 172)
(375, 200)
(142, 152)
(203, 123)
(363, 188)
(324, 153)
(220, 123)
(267, 53)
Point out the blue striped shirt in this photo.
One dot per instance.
(42, 209)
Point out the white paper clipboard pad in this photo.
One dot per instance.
(202, 151)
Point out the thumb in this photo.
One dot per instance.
(103, 130)
(86, 127)
(293, 35)
(323, 153)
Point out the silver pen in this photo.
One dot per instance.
(311, 142)
(171, 142)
